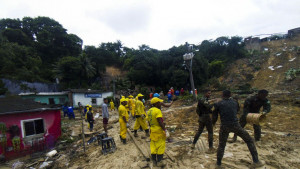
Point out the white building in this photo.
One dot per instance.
(91, 97)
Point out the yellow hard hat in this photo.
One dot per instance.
(123, 100)
(139, 95)
(130, 96)
(90, 105)
(155, 100)
(123, 96)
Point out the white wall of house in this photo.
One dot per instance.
(84, 100)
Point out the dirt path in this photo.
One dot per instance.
(279, 147)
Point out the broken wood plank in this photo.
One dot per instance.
(170, 157)
(137, 145)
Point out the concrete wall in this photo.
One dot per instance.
(84, 100)
(52, 129)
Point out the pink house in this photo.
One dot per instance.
(26, 127)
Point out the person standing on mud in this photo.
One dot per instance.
(158, 132)
(253, 105)
(123, 119)
(90, 118)
(140, 117)
(105, 114)
(204, 110)
(112, 105)
(227, 108)
(130, 104)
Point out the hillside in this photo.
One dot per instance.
(267, 69)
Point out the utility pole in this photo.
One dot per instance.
(188, 58)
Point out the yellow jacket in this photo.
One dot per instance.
(123, 113)
(139, 108)
(112, 105)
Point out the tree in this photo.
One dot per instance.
(216, 68)
(17, 36)
(67, 70)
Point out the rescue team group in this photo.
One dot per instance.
(227, 108)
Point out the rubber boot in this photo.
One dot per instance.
(124, 141)
(147, 133)
(154, 160)
(135, 133)
(160, 162)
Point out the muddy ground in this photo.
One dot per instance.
(279, 146)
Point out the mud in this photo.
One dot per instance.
(279, 146)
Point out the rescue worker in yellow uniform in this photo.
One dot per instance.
(140, 117)
(112, 105)
(88, 107)
(123, 119)
(127, 106)
(121, 99)
(131, 104)
(158, 132)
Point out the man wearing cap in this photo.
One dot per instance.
(90, 119)
(131, 104)
(123, 119)
(140, 116)
(158, 132)
(112, 105)
(89, 108)
(163, 104)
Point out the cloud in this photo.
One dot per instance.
(160, 24)
(125, 18)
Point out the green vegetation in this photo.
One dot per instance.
(188, 98)
(292, 73)
(40, 50)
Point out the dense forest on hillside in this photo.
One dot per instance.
(40, 50)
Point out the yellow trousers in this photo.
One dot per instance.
(140, 122)
(123, 129)
(132, 110)
(158, 147)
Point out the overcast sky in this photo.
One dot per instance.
(160, 24)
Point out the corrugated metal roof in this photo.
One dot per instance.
(85, 91)
(19, 105)
(44, 93)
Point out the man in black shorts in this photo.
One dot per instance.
(105, 114)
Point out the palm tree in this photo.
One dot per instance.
(87, 69)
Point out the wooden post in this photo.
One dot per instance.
(82, 124)
(137, 145)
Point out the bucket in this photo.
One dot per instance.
(256, 118)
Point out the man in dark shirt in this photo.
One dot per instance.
(204, 110)
(253, 105)
(227, 108)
